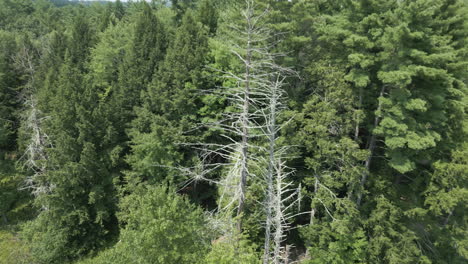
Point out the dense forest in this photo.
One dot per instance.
(234, 131)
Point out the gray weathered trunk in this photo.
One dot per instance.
(245, 124)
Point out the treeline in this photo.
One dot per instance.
(218, 131)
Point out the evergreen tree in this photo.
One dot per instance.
(401, 79)
(9, 80)
(160, 227)
(446, 201)
(79, 210)
(119, 10)
(169, 107)
(207, 14)
(13, 201)
(101, 102)
(141, 59)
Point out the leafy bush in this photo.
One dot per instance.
(227, 252)
(160, 227)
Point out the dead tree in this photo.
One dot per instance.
(284, 198)
(280, 195)
(249, 44)
(256, 100)
(35, 157)
(274, 94)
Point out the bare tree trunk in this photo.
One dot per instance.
(245, 124)
(271, 130)
(286, 257)
(372, 144)
(313, 210)
(278, 217)
(356, 129)
(269, 199)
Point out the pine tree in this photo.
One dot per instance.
(101, 103)
(169, 107)
(402, 81)
(446, 201)
(9, 80)
(325, 129)
(145, 53)
(142, 57)
(10, 197)
(119, 10)
(207, 14)
(79, 209)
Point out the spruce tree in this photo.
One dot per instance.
(169, 107)
(398, 58)
(78, 215)
(10, 81)
(142, 57)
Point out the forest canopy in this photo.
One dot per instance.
(241, 131)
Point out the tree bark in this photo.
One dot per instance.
(371, 148)
(245, 124)
(271, 151)
(312, 211)
(277, 218)
(356, 129)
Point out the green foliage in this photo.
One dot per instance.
(133, 69)
(16, 204)
(382, 45)
(8, 82)
(169, 106)
(340, 241)
(159, 226)
(107, 55)
(13, 250)
(447, 189)
(446, 199)
(327, 121)
(207, 14)
(77, 215)
(391, 241)
(224, 251)
(377, 116)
